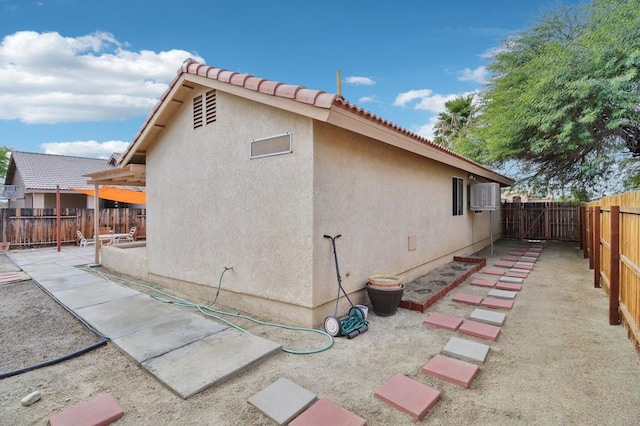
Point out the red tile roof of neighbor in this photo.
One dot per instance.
(316, 98)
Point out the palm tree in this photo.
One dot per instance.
(454, 122)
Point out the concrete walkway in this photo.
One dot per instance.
(183, 350)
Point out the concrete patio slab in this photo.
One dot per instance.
(466, 350)
(93, 294)
(408, 395)
(282, 400)
(513, 280)
(162, 338)
(451, 370)
(213, 359)
(326, 412)
(469, 299)
(58, 283)
(488, 317)
(443, 321)
(502, 294)
(125, 316)
(524, 265)
(528, 259)
(492, 302)
(480, 329)
(519, 271)
(510, 258)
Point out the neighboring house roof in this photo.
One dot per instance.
(45, 171)
(326, 107)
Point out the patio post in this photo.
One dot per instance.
(614, 279)
(96, 223)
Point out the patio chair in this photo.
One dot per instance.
(132, 233)
(83, 241)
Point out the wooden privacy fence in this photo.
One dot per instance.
(559, 221)
(613, 236)
(26, 228)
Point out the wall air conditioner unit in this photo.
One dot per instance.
(485, 196)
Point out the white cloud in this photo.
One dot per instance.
(426, 129)
(360, 81)
(49, 78)
(478, 75)
(85, 148)
(368, 99)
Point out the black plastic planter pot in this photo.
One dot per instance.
(385, 302)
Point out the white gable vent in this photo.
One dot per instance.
(211, 107)
(484, 196)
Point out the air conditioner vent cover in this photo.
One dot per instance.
(485, 196)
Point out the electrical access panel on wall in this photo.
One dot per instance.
(485, 196)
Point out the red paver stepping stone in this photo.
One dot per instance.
(451, 370)
(10, 277)
(528, 259)
(469, 299)
(504, 264)
(509, 286)
(408, 395)
(516, 275)
(510, 258)
(531, 254)
(443, 321)
(99, 411)
(479, 329)
(326, 412)
(492, 302)
(538, 249)
(491, 271)
(483, 283)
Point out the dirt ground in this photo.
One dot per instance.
(556, 362)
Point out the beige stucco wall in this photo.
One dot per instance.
(376, 196)
(211, 207)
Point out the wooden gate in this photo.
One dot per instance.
(542, 221)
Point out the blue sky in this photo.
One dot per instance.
(79, 77)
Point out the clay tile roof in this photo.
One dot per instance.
(269, 87)
(317, 98)
(226, 76)
(287, 91)
(240, 79)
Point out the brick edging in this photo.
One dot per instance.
(481, 263)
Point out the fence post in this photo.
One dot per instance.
(590, 236)
(596, 247)
(583, 232)
(614, 286)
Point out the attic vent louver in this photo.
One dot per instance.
(197, 112)
(211, 111)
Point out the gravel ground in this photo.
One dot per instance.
(556, 362)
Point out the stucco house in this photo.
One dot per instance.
(248, 173)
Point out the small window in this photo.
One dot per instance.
(458, 201)
(197, 112)
(272, 145)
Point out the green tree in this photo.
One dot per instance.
(4, 160)
(454, 123)
(563, 101)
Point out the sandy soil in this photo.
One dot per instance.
(556, 362)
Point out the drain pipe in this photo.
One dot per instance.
(103, 341)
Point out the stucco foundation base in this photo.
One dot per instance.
(129, 259)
